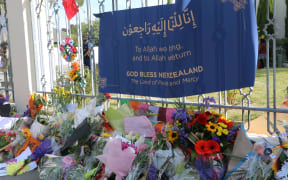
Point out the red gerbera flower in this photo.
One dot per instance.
(201, 147)
(74, 50)
(107, 95)
(202, 118)
(212, 147)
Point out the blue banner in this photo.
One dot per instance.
(166, 51)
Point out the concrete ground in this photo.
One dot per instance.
(259, 125)
(33, 175)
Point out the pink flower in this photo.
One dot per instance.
(62, 49)
(68, 161)
(142, 147)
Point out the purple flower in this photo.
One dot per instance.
(206, 170)
(216, 139)
(229, 137)
(183, 136)
(4, 99)
(152, 173)
(236, 128)
(44, 148)
(182, 116)
(11, 160)
(206, 101)
(232, 133)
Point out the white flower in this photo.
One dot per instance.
(71, 42)
(283, 173)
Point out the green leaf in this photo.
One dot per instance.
(193, 155)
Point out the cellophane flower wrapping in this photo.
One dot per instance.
(56, 167)
(209, 168)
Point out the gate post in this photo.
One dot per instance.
(21, 50)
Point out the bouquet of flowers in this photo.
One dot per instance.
(57, 167)
(75, 75)
(36, 103)
(205, 137)
(286, 97)
(68, 49)
(62, 97)
(6, 138)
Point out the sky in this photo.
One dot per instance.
(107, 7)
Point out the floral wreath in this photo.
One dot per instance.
(68, 49)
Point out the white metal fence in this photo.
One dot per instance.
(50, 27)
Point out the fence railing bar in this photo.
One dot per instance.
(251, 108)
(274, 84)
(50, 45)
(58, 36)
(220, 101)
(9, 50)
(38, 12)
(6, 89)
(225, 103)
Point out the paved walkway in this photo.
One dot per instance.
(259, 125)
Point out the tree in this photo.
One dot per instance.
(286, 20)
(85, 30)
(261, 16)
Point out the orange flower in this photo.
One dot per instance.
(201, 147)
(75, 64)
(158, 127)
(108, 127)
(212, 147)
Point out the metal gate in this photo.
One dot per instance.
(6, 76)
(50, 27)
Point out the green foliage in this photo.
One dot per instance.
(80, 2)
(286, 21)
(88, 87)
(261, 16)
(87, 31)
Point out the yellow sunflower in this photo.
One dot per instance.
(26, 133)
(211, 127)
(172, 135)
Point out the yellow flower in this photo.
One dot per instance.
(26, 133)
(106, 135)
(172, 135)
(211, 127)
(70, 73)
(219, 131)
(13, 167)
(225, 131)
(222, 125)
(74, 77)
(67, 92)
(33, 96)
